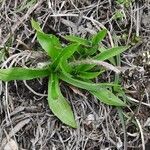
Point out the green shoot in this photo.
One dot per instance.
(60, 68)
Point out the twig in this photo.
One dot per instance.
(141, 132)
(136, 101)
(16, 25)
(137, 20)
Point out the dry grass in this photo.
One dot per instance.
(25, 119)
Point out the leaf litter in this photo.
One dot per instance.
(52, 134)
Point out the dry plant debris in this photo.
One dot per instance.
(25, 119)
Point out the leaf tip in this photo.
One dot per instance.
(35, 25)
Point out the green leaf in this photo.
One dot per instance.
(69, 51)
(35, 25)
(99, 37)
(66, 53)
(111, 53)
(22, 73)
(112, 59)
(78, 40)
(108, 97)
(50, 44)
(88, 75)
(81, 84)
(84, 67)
(58, 104)
(96, 39)
(96, 89)
(107, 54)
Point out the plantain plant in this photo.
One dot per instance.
(74, 64)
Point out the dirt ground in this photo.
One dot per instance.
(27, 123)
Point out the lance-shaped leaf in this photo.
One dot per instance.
(99, 37)
(96, 39)
(112, 60)
(82, 84)
(107, 97)
(65, 54)
(58, 104)
(111, 52)
(36, 25)
(50, 44)
(77, 40)
(107, 54)
(22, 73)
(88, 75)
